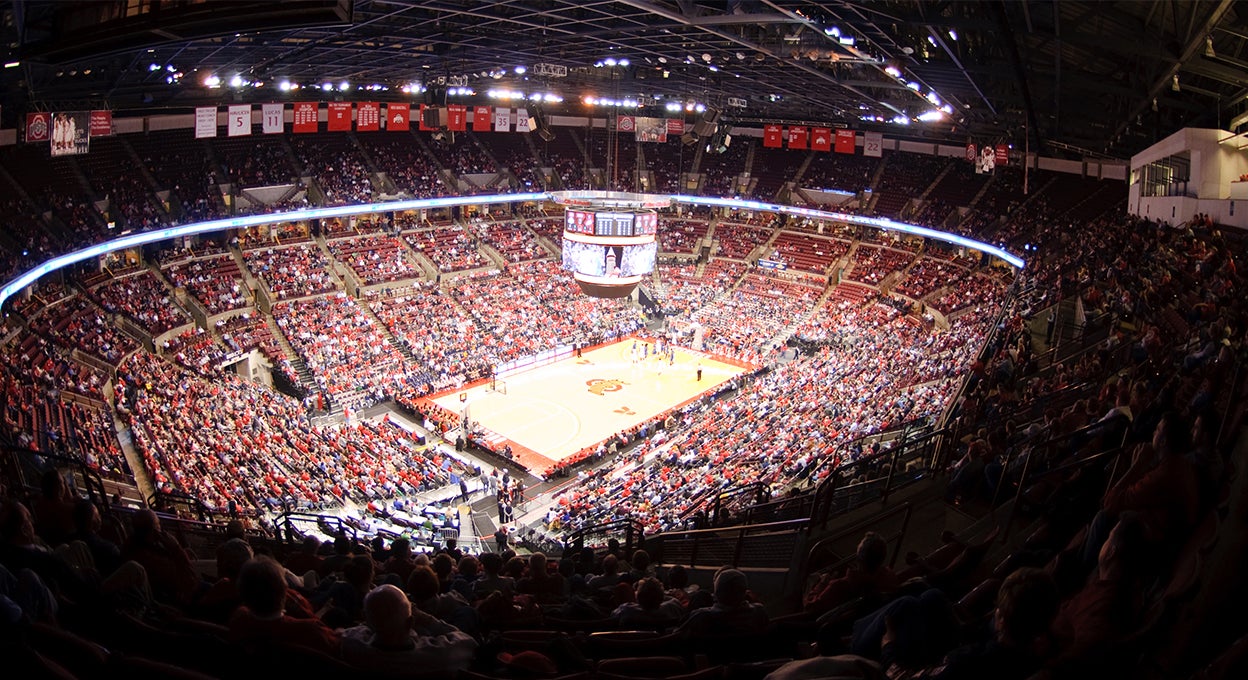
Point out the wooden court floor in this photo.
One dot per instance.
(556, 410)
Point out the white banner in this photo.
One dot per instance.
(271, 118)
(523, 122)
(502, 120)
(238, 123)
(205, 122)
(872, 144)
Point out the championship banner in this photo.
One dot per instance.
(481, 120)
(675, 127)
(972, 153)
(205, 122)
(457, 118)
(650, 129)
(238, 122)
(523, 122)
(502, 120)
(101, 123)
(339, 119)
(398, 116)
(773, 136)
(872, 144)
(304, 117)
(845, 142)
(70, 133)
(38, 127)
(271, 118)
(821, 139)
(1003, 154)
(367, 117)
(797, 137)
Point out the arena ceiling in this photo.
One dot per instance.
(1077, 78)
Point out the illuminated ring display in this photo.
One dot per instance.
(565, 197)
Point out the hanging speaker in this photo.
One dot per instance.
(689, 139)
(435, 117)
(546, 134)
(704, 128)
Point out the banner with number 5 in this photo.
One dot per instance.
(239, 120)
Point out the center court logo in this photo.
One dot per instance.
(600, 387)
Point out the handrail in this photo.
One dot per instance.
(161, 500)
(91, 479)
(736, 536)
(859, 527)
(285, 524)
(826, 491)
(634, 534)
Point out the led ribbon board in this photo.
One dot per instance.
(601, 198)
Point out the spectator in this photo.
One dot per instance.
(398, 640)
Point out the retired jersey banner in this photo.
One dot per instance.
(650, 129)
(845, 141)
(101, 123)
(821, 139)
(71, 133)
(205, 122)
(676, 126)
(481, 119)
(1003, 154)
(368, 117)
(873, 144)
(523, 122)
(398, 116)
(457, 118)
(238, 122)
(339, 119)
(271, 118)
(773, 136)
(797, 137)
(502, 120)
(305, 115)
(38, 127)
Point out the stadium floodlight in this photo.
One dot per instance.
(212, 81)
(520, 70)
(236, 81)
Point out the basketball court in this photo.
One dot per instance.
(551, 412)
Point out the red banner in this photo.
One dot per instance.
(101, 123)
(304, 117)
(625, 123)
(797, 137)
(1003, 154)
(482, 119)
(339, 119)
(38, 127)
(675, 126)
(457, 118)
(368, 117)
(845, 141)
(821, 139)
(398, 116)
(972, 153)
(773, 136)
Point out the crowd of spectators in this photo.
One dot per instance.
(292, 271)
(841, 172)
(511, 239)
(408, 167)
(337, 166)
(737, 241)
(254, 162)
(351, 360)
(872, 264)
(376, 258)
(929, 275)
(807, 253)
(721, 177)
(681, 236)
(452, 248)
(215, 281)
(143, 297)
(968, 291)
(76, 323)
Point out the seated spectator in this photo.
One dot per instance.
(169, 568)
(491, 581)
(425, 591)
(868, 576)
(262, 619)
(653, 608)
(398, 640)
(540, 582)
(732, 613)
(1026, 604)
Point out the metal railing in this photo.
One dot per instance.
(758, 546)
(599, 534)
(875, 477)
(26, 466)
